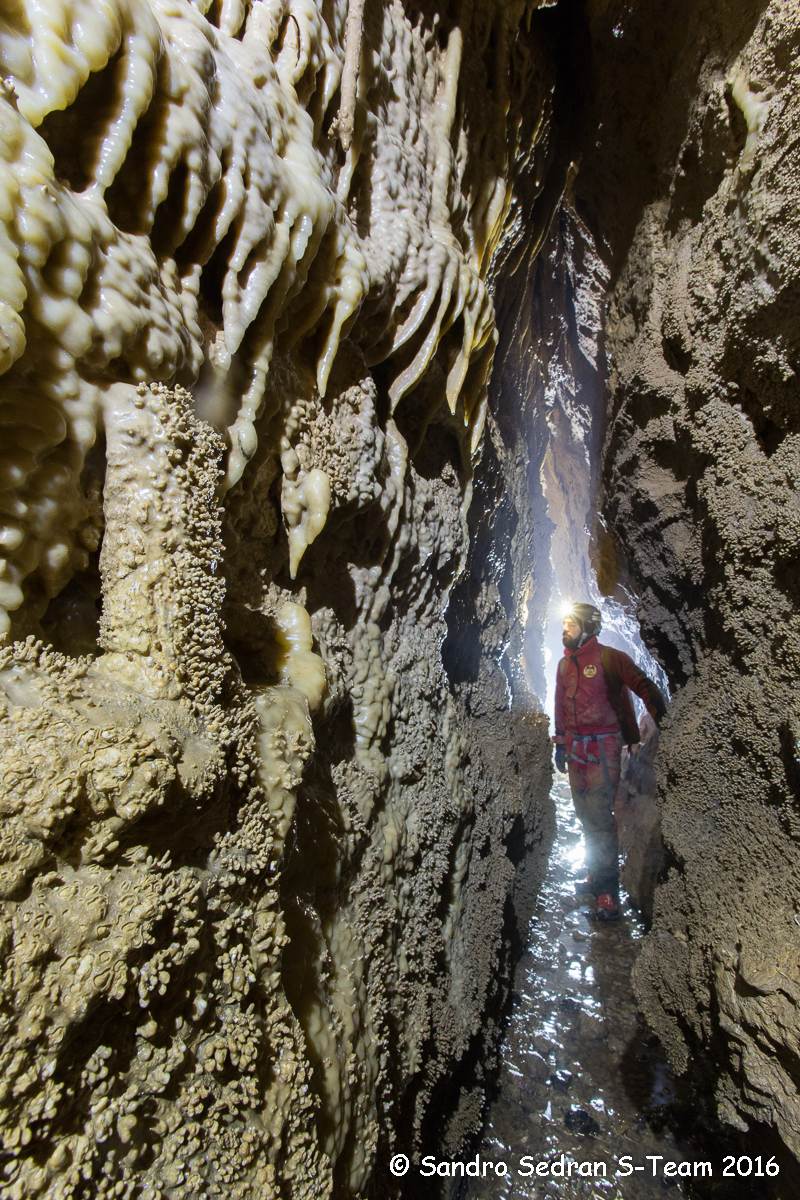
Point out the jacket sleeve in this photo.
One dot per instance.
(639, 683)
(559, 738)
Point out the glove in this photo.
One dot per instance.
(561, 760)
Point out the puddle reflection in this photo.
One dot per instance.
(581, 1074)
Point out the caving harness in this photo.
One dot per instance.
(593, 758)
(589, 619)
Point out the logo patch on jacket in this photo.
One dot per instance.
(590, 671)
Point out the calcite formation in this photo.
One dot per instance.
(253, 884)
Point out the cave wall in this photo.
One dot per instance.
(692, 198)
(256, 871)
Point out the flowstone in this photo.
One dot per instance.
(254, 880)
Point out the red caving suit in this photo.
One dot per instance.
(592, 700)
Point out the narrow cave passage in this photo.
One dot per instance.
(338, 342)
(632, 376)
(585, 1092)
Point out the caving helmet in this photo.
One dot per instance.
(588, 617)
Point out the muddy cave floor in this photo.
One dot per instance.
(582, 1076)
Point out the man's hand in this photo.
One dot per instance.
(561, 760)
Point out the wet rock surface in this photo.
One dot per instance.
(257, 852)
(328, 951)
(639, 821)
(583, 1077)
(687, 193)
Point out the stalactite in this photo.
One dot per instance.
(247, 937)
(349, 84)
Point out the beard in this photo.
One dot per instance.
(571, 643)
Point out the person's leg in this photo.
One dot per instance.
(591, 783)
(600, 833)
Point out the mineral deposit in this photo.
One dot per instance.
(255, 889)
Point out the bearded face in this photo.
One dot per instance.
(572, 634)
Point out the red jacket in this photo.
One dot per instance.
(592, 693)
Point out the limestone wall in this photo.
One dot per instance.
(254, 886)
(701, 486)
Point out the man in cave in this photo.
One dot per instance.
(594, 718)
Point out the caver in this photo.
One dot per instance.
(594, 719)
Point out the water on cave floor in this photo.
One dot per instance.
(583, 1078)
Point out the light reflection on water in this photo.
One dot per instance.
(575, 1052)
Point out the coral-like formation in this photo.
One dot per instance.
(255, 883)
(146, 799)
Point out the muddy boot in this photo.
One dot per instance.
(606, 886)
(607, 907)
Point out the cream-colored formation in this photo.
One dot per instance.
(171, 206)
(246, 334)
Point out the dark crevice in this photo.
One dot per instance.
(769, 434)
(75, 134)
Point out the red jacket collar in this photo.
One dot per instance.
(582, 651)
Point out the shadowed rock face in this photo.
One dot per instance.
(639, 820)
(257, 849)
(694, 199)
(262, 798)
